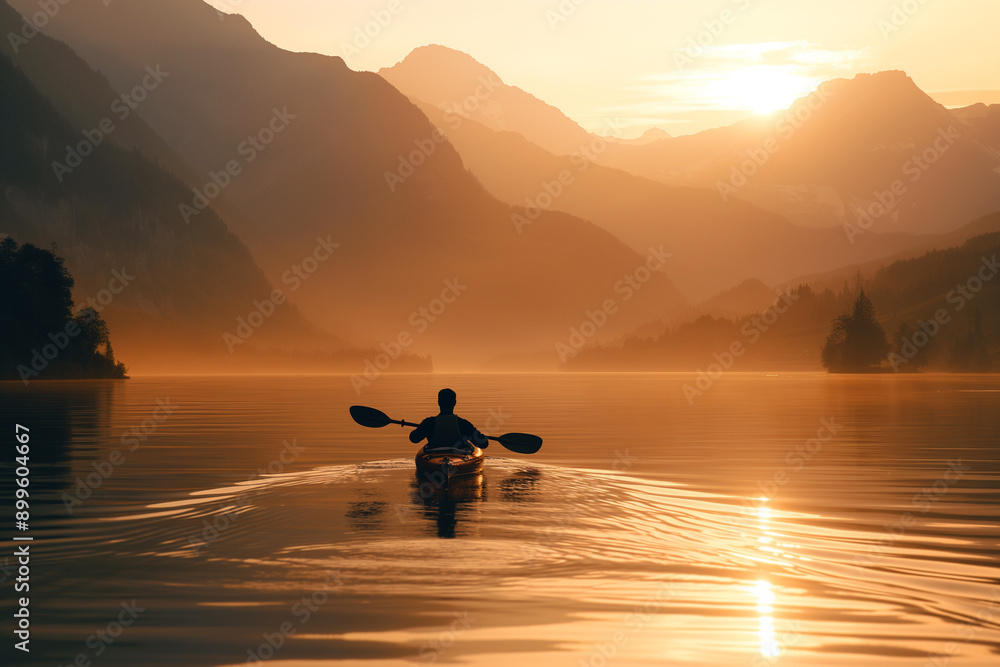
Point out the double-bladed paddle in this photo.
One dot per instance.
(522, 443)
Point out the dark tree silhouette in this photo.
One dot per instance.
(39, 335)
(833, 351)
(857, 342)
(909, 354)
(970, 354)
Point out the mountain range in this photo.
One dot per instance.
(818, 163)
(82, 172)
(450, 209)
(742, 239)
(325, 173)
(945, 298)
(836, 155)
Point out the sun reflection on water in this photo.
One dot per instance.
(763, 591)
(765, 607)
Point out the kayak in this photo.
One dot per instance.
(452, 464)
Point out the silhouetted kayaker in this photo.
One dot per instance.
(447, 431)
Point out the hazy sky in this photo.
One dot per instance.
(639, 60)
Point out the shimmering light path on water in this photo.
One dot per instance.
(799, 520)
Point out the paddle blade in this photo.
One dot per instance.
(369, 417)
(522, 443)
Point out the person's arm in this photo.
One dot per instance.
(471, 433)
(423, 431)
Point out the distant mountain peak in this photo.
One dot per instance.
(885, 75)
(440, 51)
(650, 136)
(888, 84)
(977, 110)
(438, 58)
(872, 102)
(455, 81)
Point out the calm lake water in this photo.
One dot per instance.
(793, 520)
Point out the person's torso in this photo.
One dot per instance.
(447, 432)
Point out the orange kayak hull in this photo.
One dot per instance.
(451, 464)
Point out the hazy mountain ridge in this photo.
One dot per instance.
(113, 212)
(694, 223)
(924, 244)
(749, 296)
(481, 95)
(939, 293)
(818, 164)
(115, 221)
(647, 137)
(329, 172)
(301, 147)
(77, 91)
(851, 140)
(986, 119)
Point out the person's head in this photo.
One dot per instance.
(446, 400)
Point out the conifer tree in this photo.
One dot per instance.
(857, 342)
